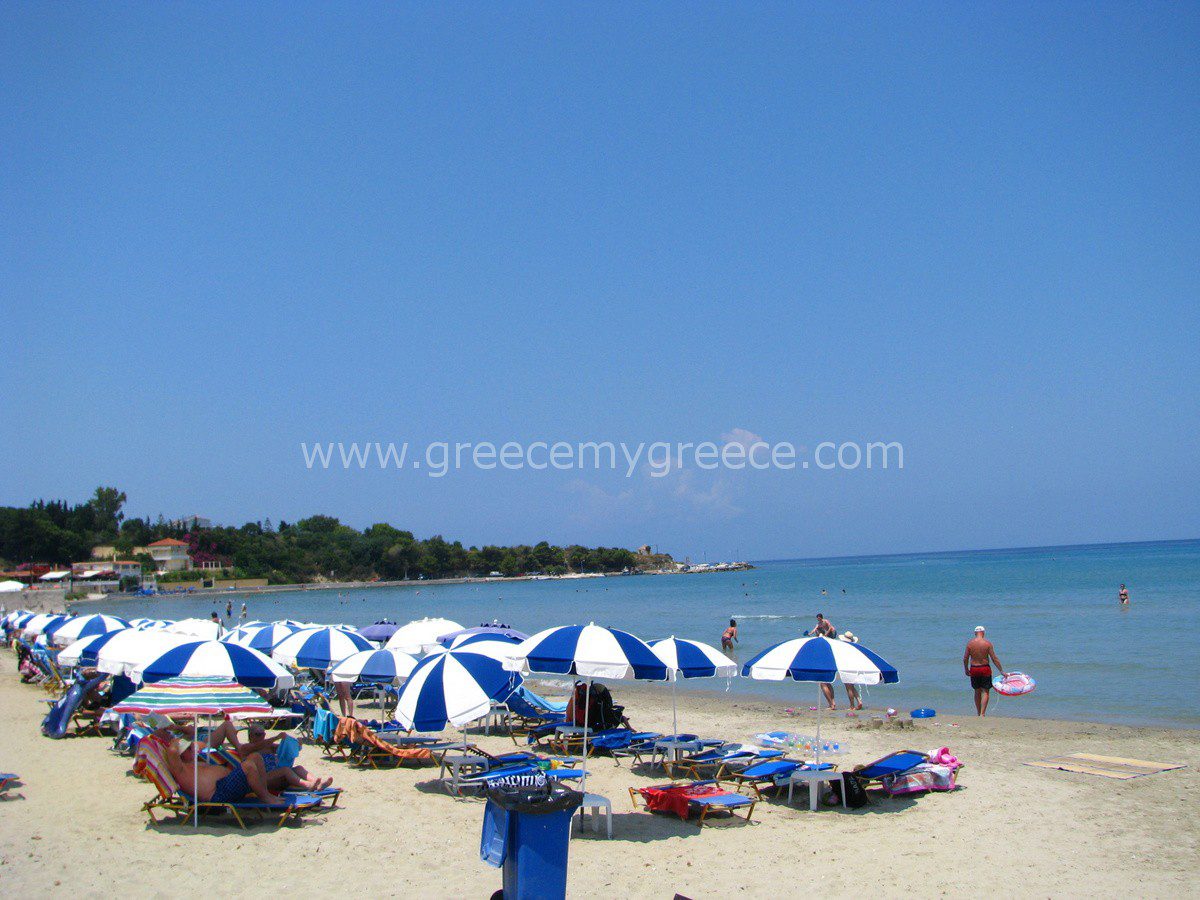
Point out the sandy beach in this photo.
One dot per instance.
(75, 825)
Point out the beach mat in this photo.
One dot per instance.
(1105, 766)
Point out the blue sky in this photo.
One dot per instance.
(972, 230)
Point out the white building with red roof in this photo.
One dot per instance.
(170, 555)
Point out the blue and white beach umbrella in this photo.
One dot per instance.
(37, 624)
(691, 659)
(453, 688)
(823, 660)
(375, 666)
(216, 659)
(319, 648)
(262, 638)
(83, 652)
(84, 626)
(589, 651)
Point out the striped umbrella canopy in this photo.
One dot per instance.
(421, 636)
(194, 696)
(465, 638)
(691, 659)
(84, 650)
(488, 645)
(213, 659)
(375, 666)
(454, 638)
(123, 652)
(319, 648)
(84, 626)
(18, 617)
(37, 624)
(260, 637)
(452, 688)
(149, 624)
(590, 651)
(823, 660)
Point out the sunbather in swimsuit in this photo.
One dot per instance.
(232, 787)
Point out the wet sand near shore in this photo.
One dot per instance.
(75, 824)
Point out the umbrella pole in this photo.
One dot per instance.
(674, 714)
(195, 771)
(587, 708)
(817, 748)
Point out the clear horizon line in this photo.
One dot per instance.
(975, 550)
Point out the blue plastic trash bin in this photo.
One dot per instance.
(527, 831)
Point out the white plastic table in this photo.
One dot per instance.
(671, 751)
(814, 778)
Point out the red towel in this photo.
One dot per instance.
(678, 797)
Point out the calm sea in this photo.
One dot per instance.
(1052, 613)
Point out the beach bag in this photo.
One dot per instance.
(852, 787)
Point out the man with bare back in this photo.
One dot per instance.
(977, 660)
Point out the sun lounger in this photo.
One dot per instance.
(893, 764)
(151, 764)
(367, 749)
(768, 775)
(717, 761)
(641, 744)
(685, 798)
(223, 756)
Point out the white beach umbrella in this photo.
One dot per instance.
(204, 629)
(7, 587)
(421, 636)
(127, 650)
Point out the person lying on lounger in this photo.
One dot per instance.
(277, 776)
(219, 784)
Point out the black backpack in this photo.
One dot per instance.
(856, 795)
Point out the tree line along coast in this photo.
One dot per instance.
(56, 533)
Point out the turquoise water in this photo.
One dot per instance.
(1052, 612)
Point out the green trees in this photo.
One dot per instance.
(316, 548)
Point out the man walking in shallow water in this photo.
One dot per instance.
(977, 660)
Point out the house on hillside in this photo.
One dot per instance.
(170, 555)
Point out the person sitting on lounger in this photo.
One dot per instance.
(277, 775)
(219, 784)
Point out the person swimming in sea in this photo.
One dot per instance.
(1123, 596)
(729, 637)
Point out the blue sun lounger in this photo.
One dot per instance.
(767, 775)
(721, 759)
(725, 801)
(893, 764)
